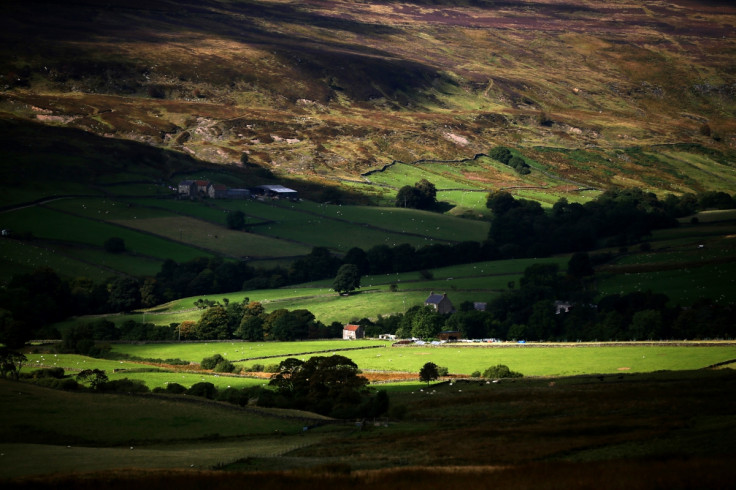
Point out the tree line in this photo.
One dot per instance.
(31, 302)
(551, 305)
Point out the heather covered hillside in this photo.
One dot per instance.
(327, 90)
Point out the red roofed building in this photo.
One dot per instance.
(351, 332)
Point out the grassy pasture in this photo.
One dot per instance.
(215, 238)
(18, 257)
(196, 351)
(193, 209)
(683, 286)
(555, 360)
(411, 221)
(50, 224)
(686, 263)
(55, 431)
(529, 359)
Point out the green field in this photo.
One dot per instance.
(531, 360)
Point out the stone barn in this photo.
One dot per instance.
(353, 332)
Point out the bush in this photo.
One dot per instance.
(500, 371)
(271, 368)
(475, 374)
(211, 362)
(203, 389)
(224, 366)
(175, 388)
(66, 384)
(124, 385)
(442, 371)
(233, 395)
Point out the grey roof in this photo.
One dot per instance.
(435, 298)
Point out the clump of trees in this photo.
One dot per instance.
(501, 371)
(326, 385)
(422, 195)
(218, 364)
(504, 155)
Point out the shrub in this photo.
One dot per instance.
(224, 366)
(211, 362)
(203, 389)
(67, 384)
(272, 368)
(500, 371)
(124, 385)
(475, 374)
(233, 395)
(256, 368)
(442, 371)
(175, 388)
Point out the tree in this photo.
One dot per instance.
(500, 202)
(428, 193)
(580, 266)
(213, 324)
(96, 377)
(347, 279)
(423, 195)
(321, 384)
(429, 372)
(501, 371)
(124, 295)
(500, 153)
(425, 322)
(11, 362)
(235, 220)
(408, 197)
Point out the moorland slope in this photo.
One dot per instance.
(326, 90)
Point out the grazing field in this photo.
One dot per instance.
(55, 431)
(550, 360)
(215, 238)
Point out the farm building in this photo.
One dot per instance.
(217, 191)
(440, 302)
(202, 186)
(450, 335)
(238, 194)
(352, 332)
(187, 188)
(276, 192)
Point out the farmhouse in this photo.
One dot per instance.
(216, 191)
(202, 186)
(276, 192)
(187, 188)
(352, 332)
(439, 302)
